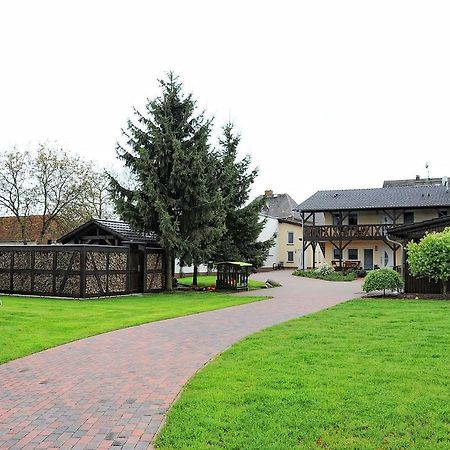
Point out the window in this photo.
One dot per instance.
(442, 213)
(290, 257)
(336, 253)
(353, 219)
(353, 253)
(290, 238)
(336, 218)
(408, 217)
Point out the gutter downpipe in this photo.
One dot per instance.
(303, 244)
(402, 274)
(302, 239)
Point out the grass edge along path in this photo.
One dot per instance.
(32, 324)
(369, 374)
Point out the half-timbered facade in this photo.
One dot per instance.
(355, 232)
(99, 258)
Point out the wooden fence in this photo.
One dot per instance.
(78, 271)
(415, 285)
(422, 285)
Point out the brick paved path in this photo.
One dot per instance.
(113, 390)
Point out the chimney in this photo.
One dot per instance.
(417, 177)
(268, 193)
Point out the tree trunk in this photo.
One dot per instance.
(23, 230)
(195, 276)
(444, 288)
(169, 270)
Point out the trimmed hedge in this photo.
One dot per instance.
(333, 276)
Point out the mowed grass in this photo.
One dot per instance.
(367, 374)
(210, 280)
(29, 324)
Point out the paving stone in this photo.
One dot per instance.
(113, 390)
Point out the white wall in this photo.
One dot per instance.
(188, 270)
(268, 231)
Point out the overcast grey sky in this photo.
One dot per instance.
(326, 94)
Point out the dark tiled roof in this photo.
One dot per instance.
(388, 197)
(419, 229)
(121, 230)
(124, 229)
(280, 206)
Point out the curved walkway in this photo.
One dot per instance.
(113, 390)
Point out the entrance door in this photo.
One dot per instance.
(368, 259)
(136, 270)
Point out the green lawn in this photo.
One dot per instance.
(29, 324)
(210, 280)
(367, 374)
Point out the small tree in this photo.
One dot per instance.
(431, 258)
(382, 279)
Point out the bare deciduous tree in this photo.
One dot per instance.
(58, 187)
(16, 191)
(60, 180)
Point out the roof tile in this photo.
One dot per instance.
(387, 197)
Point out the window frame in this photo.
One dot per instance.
(353, 215)
(410, 214)
(289, 233)
(336, 219)
(288, 260)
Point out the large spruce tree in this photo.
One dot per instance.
(242, 220)
(168, 154)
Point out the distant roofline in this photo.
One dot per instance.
(367, 208)
(419, 187)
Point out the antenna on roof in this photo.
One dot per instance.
(427, 166)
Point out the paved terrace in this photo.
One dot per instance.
(113, 390)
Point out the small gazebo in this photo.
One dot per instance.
(232, 275)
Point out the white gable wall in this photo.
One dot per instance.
(268, 231)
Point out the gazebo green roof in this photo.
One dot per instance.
(235, 263)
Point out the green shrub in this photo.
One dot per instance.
(382, 279)
(325, 269)
(431, 258)
(333, 276)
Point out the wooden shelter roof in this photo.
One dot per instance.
(120, 230)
